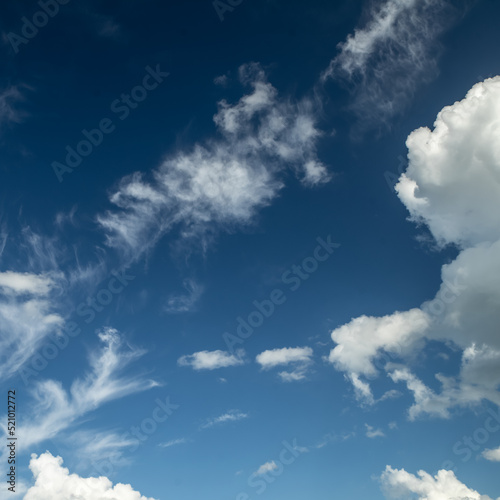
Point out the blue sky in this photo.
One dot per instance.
(250, 249)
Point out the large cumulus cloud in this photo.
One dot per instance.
(452, 186)
(397, 483)
(54, 482)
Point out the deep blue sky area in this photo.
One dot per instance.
(136, 274)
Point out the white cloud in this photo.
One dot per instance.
(185, 302)
(397, 483)
(265, 468)
(9, 97)
(221, 80)
(276, 357)
(492, 455)
(173, 442)
(452, 182)
(230, 416)
(18, 283)
(27, 316)
(54, 482)
(372, 433)
(58, 409)
(300, 373)
(452, 185)
(299, 357)
(96, 446)
(4, 235)
(223, 182)
(359, 341)
(391, 55)
(212, 360)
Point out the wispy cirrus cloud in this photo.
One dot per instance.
(183, 303)
(173, 442)
(230, 416)
(59, 409)
(28, 315)
(387, 58)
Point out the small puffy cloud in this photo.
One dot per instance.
(492, 455)
(230, 416)
(299, 357)
(299, 373)
(371, 432)
(54, 482)
(221, 80)
(315, 173)
(265, 468)
(212, 360)
(390, 56)
(397, 483)
(276, 357)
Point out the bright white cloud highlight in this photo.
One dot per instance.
(492, 455)
(54, 482)
(212, 360)
(452, 182)
(397, 483)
